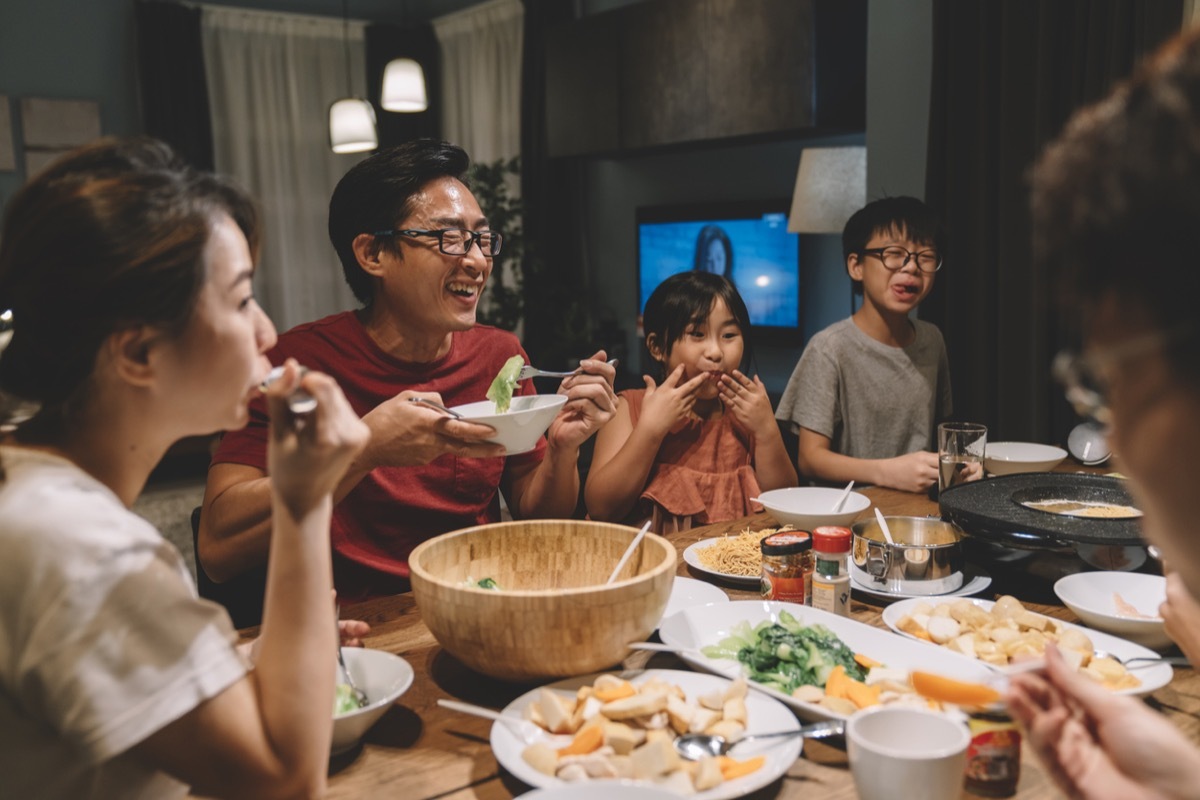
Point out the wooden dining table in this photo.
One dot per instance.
(420, 750)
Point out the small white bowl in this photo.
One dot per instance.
(1091, 596)
(519, 428)
(383, 677)
(1009, 458)
(808, 507)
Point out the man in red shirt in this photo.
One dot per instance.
(417, 251)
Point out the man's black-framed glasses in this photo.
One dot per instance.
(896, 258)
(456, 241)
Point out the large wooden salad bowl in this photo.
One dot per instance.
(552, 615)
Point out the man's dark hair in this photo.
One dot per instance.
(1116, 200)
(902, 215)
(377, 195)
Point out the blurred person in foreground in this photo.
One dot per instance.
(1116, 206)
(134, 325)
(417, 250)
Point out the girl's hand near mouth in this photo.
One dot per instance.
(666, 405)
(746, 398)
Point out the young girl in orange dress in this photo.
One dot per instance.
(695, 448)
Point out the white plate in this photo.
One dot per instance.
(1091, 596)
(764, 715)
(688, 592)
(975, 580)
(692, 556)
(600, 790)
(1152, 676)
(694, 628)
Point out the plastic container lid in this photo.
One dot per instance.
(786, 543)
(832, 539)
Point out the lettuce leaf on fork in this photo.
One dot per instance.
(501, 390)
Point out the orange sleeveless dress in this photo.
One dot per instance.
(703, 473)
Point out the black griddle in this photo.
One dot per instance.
(991, 510)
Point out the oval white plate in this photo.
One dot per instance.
(688, 592)
(694, 628)
(1010, 458)
(1152, 676)
(975, 581)
(1090, 595)
(692, 556)
(764, 714)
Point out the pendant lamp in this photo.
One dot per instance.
(403, 86)
(351, 119)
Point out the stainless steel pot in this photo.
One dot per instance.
(927, 557)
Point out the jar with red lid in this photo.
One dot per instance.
(787, 560)
(831, 579)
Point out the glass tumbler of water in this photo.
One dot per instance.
(960, 453)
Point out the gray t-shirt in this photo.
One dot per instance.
(870, 399)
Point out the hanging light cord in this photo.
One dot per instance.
(346, 43)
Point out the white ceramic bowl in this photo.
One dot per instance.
(897, 746)
(1091, 596)
(520, 427)
(1009, 458)
(808, 507)
(383, 677)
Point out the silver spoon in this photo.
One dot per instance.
(359, 695)
(694, 746)
(425, 401)
(299, 401)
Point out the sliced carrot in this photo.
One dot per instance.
(866, 662)
(835, 684)
(948, 690)
(586, 741)
(732, 768)
(862, 695)
(615, 693)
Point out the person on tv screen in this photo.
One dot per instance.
(714, 251)
(1116, 202)
(868, 392)
(695, 448)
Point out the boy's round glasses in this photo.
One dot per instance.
(895, 258)
(456, 241)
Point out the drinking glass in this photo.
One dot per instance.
(960, 453)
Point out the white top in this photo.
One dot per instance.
(102, 638)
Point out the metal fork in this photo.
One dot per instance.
(358, 694)
(528, 372)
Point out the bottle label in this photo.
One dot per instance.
(792, 590)
(994, 762)
(832, 594)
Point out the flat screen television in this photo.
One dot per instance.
(748, 242)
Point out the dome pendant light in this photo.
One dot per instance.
(351, 119)
(403, 86)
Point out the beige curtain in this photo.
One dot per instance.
(271, 79)
(481, 78)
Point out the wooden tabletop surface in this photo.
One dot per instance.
(420, 750)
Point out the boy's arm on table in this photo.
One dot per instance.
(912, 472)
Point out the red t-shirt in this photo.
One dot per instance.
(393, 509)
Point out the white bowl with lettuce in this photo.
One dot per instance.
(519, 421)
(383, 677)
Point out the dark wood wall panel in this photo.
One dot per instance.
(679, 71)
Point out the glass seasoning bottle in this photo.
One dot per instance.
(831, 581)
(994, 754)
(787, 567)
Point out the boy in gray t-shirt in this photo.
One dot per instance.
(868, 392)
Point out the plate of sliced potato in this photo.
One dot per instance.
(1003, 632)
(621, 727)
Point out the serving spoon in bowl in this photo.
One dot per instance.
(694, 746)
